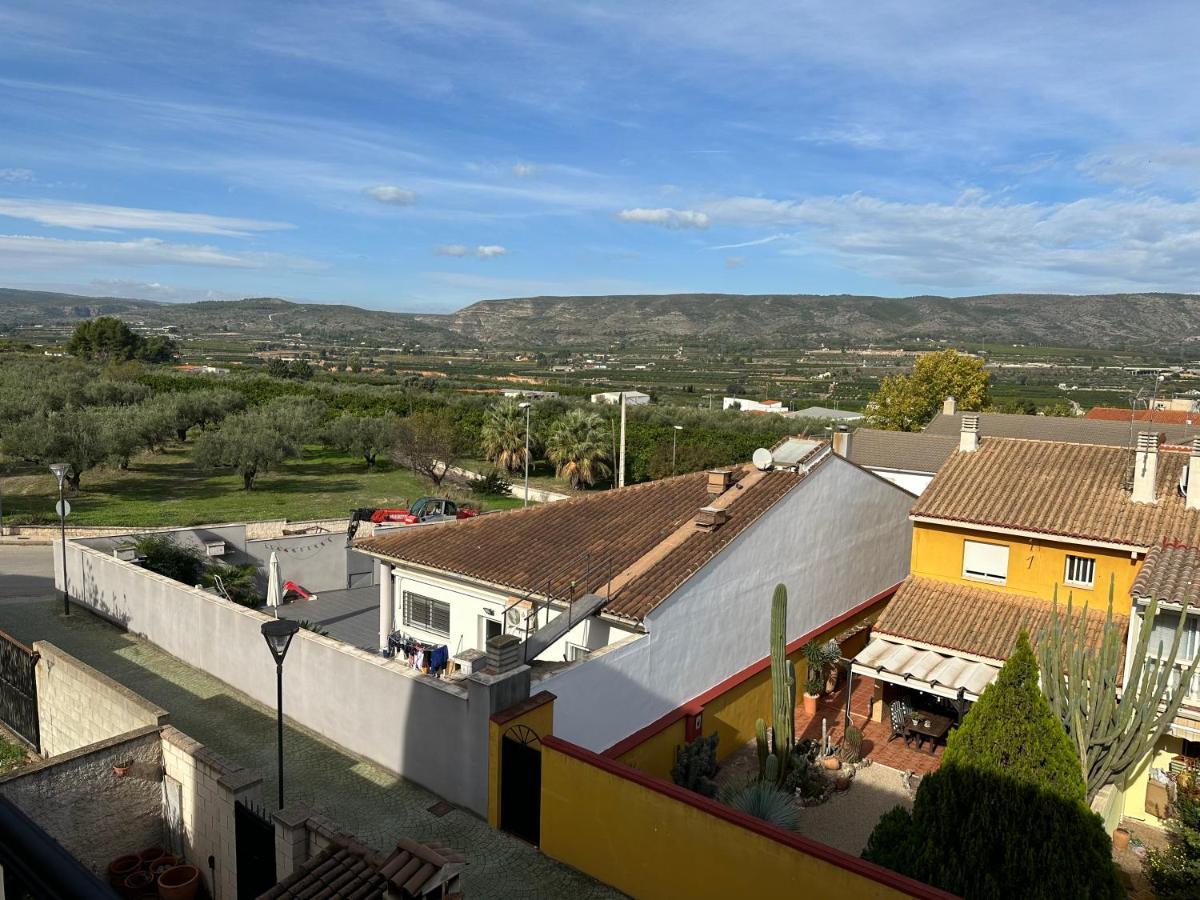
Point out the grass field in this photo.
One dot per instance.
(166, 489)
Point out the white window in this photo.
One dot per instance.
(1162, 639)
(985, 562)
(427, 613)
(1081, 571)
(576, 652)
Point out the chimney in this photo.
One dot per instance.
(841, 441)
(968, 438)
(503, 653)
(1193, 478)
(1145, 467)
(949, 406)
(719, 480)
(710, 518)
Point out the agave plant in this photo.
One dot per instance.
(502, 436)
(577, 444)
(763, 800)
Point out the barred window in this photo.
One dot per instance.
(427, 613)
(1081, 571)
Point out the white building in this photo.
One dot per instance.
(528, 394)
(632, 398)
(763, 406)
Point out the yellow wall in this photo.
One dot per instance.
(540, 720)
(651, 845)
(1034, 567)
(1134, 796)
(656, 754)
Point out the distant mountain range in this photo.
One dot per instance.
(1102, 321)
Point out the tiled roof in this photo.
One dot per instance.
(903, 450)
(348, 870)
(972, 620)
(573, 547)
(1077, 430)
(1073, 490)
(1170, 574)
(1156, 416)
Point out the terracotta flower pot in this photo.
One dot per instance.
(122, 867)
(1120, 839)
(841, 783)
(179, 883)
(122, 770)
(163, 863)
(150, 854)
(137, 884)
(810, 704)
(831, 762)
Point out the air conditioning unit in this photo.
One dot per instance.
(514, 617)
(126, 554)
(214, 548)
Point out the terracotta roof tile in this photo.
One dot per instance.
(1170, 574)
(566, 549)
(1075, 429)
(1156, 416)
(1074, 490)
(972, 620)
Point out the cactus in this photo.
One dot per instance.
(852, 745)
(696, 764)
(1112, 733)
(783, 685)
(764, 748)
(771, 769)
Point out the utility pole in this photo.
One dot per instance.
(621, 464)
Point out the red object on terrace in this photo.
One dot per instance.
(290, 587)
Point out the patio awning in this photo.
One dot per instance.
(939, 672)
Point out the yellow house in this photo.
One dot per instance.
(1007, 522)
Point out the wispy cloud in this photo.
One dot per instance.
(16, 175)
(524, 170)
(757, 242)
(665, 217)
(483, 251)
(390, 193)
(94, 217)
(28, 251)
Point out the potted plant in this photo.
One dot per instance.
(833, 653)
(814, 680)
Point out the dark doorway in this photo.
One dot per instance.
(254, 838)
(521, 784)
(18, 689)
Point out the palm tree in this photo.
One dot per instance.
(503, 435)
(577, 444)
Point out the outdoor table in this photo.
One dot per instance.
(928, 725)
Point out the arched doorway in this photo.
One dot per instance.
(521, 783)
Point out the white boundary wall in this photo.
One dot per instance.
(423, 729)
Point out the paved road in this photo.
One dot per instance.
(360, 796)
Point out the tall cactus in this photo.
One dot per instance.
(1113, 733)
(764, 748)
(783, 684)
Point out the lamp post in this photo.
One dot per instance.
(674, 434)
(278, 634)
(61, 471)
(526, 407)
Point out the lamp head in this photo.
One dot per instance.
(61, 470)
(278, 634)
(525, 405)
(677, 427)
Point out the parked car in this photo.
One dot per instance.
(424, 510)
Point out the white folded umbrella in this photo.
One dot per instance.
(274, 583)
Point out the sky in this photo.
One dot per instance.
(423, 155)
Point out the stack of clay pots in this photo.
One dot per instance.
(153, 873)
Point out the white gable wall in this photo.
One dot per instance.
(841, 537)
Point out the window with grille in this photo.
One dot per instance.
(1081, 571)
(985, 562)
(427, 613)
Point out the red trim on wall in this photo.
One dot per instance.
(805, 845)
(541, 698)
(623, 746)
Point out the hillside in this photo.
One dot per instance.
(786, 320)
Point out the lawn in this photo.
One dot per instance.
(541, 474)
(11, 755)
(166, 489)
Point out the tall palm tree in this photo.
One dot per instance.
(577, 444)
(503, 435)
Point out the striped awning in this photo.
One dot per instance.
(934, 671)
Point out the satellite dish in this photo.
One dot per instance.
(763, 459)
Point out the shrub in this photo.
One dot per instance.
(763, 800)
(236, 583)
(166, 556)
(492, 484)
(1175, 872)
(308, 625)
(696, 764)
(995, 819)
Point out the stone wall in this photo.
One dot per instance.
(78, 798)
(207, 787)
(78, 706)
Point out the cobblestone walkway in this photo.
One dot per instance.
(361, 797)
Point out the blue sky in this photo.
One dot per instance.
(423, 155)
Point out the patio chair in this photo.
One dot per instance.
(900, 714)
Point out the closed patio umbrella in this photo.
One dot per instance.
(274, 583)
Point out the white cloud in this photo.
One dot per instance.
(666, 217)
(483, 251)
(27, 251)
(524, 170)
(1176, 165)
(90, 216)
(16, 175)
(155, 290)
(389, 193)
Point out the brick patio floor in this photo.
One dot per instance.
(369, 801)
(876, 745)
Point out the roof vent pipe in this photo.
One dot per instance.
(841, 441)
(1193, 477)
(949, 406)
(1145, 467)
(719, 480)
(968, 438)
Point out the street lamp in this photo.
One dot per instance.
(61, 471)
(278, 634)
(674, 434)
(526, 407)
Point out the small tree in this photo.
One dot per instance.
(364, 436)
(578, 445)
(250, 443)
(502, 435)
(1004, 816)
(425, 443)
(907, 402)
